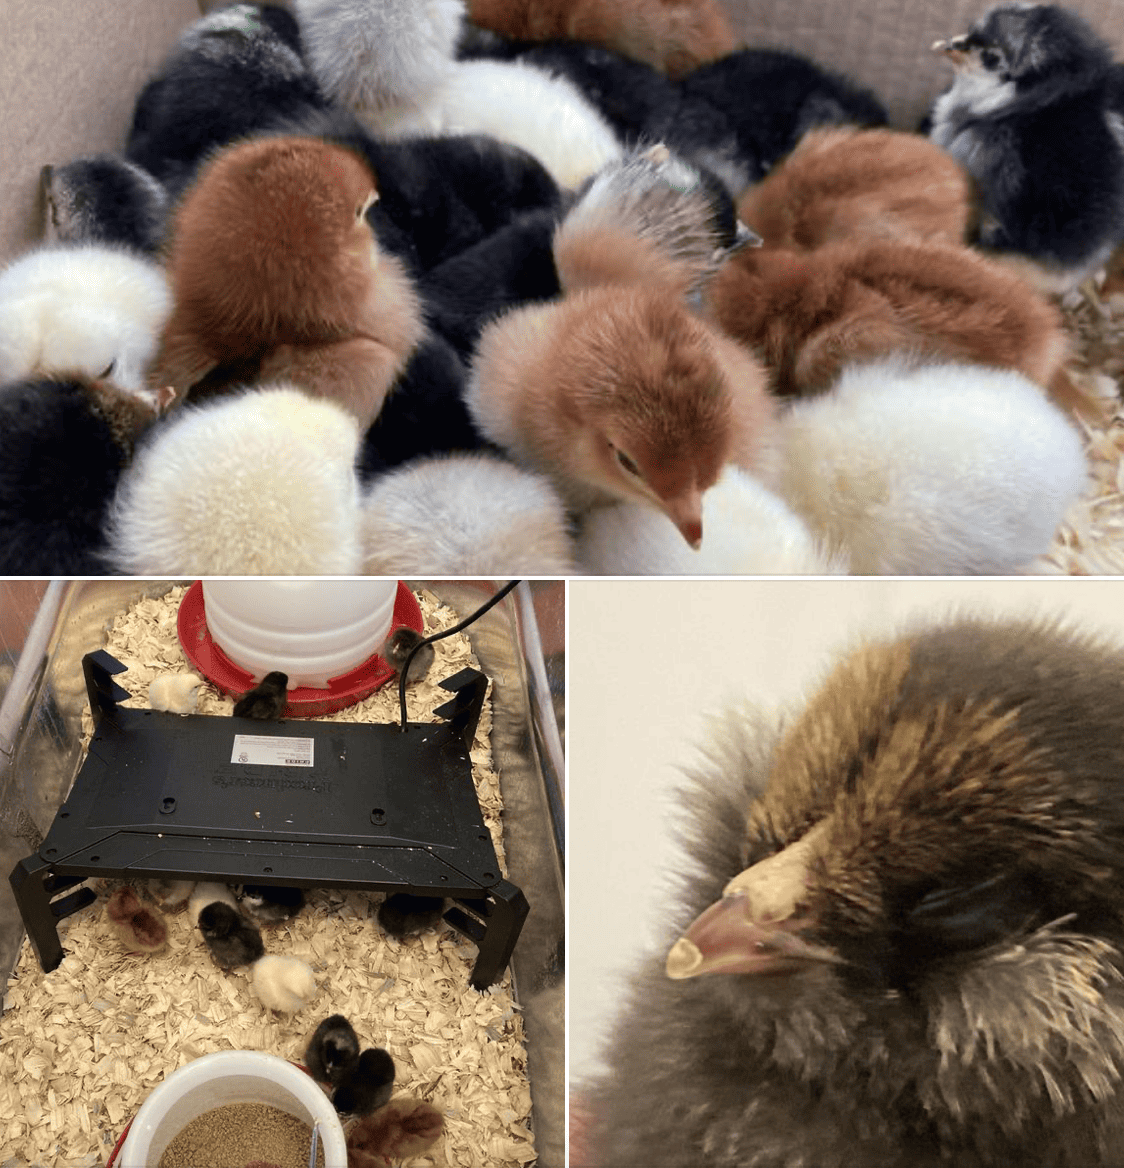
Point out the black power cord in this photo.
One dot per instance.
(490, 603)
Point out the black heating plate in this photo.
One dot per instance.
(296, 802)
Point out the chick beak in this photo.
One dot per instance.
(685, 511)
(955, 49)
(726, 939)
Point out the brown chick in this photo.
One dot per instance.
(843, 182)
(902, 941)
(807, 314)
(272, 263)
(140, 928)
(673, 36)
(400, 1130)
(620, 394)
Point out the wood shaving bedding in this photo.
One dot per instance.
(1090, 540)
(82, 1046)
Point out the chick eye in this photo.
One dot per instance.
(965, 916)
(990, 59)
(107, 370)
(628, 464)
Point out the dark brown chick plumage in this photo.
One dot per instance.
(918, 959)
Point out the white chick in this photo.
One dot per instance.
(171, 894)
(208, 892)
(261, 483)
(464, 515)
(748, 531)
(283, 983)
(931, 469)
(88, 308)
(380, 56)
(176, 692)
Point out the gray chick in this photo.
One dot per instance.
(402, 913)
(1030, 115)
(333, 1050)
(397, 648)
(367, 1085)
(232, 940)
(266, 701)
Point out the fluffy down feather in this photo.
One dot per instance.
(1034, 115)
(380, 56)
(937, 469)
(620, 394)
(912, 954)
(63, 444)
(400, 1130)
(231, 74)
(519, 104)
(272, 260)
(283, 983)
(464, 515)
(139, 927)
(749, 531)
(262, 483)
(208, 892)
(83, 308)
(807, 314)
(843, 182)
(770, 99)
(177, 692)
(649, 218)
(104, 199)
(674, 36)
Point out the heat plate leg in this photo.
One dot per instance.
(502, 916)
(29, 884)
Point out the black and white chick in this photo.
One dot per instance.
(270, 903)
(266, 701)
(1031, 115)
(104, 199)
(64, 442)
(901, 942)
(230, 74)
(231, 939)
(366, 1085)
(332, 1050)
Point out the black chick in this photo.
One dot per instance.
(1030, 115)
(366, 1085)
(271, 903)
(232, 940)
(903, 942)
(770, 99)
(231, 73)
(104, 199)
(402, 913)
(396, 649)
(266, 701)
(333, 1050)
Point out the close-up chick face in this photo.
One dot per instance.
(656, 402)
(930, 881)
(1014, 48)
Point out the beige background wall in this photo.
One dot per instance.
(71, 69)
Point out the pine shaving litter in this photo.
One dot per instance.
(1090, 541)
(81, 1047)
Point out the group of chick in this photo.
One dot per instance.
(361, 1085)
(455, 290)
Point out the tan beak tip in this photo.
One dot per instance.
(683, 960)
